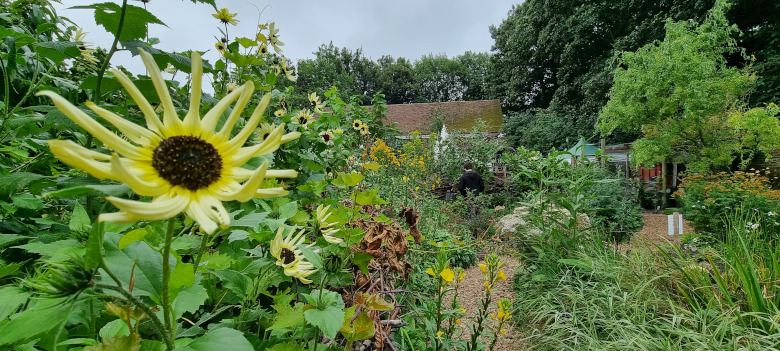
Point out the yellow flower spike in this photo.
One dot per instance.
(439, 334)
(184, 165)
(501, 275)
(224, 16)
(431, 272)
(503, 331)
(483, 268)
(447, 275)
(461, 276)
(457, 321)
(463, 310)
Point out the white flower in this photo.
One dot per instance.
(770, 214)
(755, 226)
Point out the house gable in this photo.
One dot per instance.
(456, 115)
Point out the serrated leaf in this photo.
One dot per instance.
(8, 239)
(324, 319)
(189, 299)
(361, 328)
(147, 262)
(27, 201)
(12, 298)
(237, 235)
(251, 220)
(58, 250)
(361, 260)
(234, 281)
(58, 51)
(118, 343)
(108, 84)
(94, 252)
(14, 182)
(136, 21)
(287, 316)
(163, 58)
(114, 328)
(288, 210)
(368, 197)
(41, 318)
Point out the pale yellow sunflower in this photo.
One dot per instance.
(221, 47)
(327, 228)
(231, 87)
(183, 165)
(273, 37)
(280, 112)
(262, 133)
(224, 16)
(364, 130)
(357, 124)
(303, 117)
(316, 103)
(327, 137)
(289, 256)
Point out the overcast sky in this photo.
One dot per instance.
(400, 28)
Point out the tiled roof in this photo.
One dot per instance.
(457, 115)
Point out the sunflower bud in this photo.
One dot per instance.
(60, 279)
(333, 263)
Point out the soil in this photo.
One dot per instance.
(655, 232)
(471, 293)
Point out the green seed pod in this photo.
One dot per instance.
(60, 279)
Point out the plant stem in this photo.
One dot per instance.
(202, 249)
(104, 66)
(166, 266)
(145, 308)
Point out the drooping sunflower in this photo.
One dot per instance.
(303, 117)
(326, 136)
(327, 228)
(184, 165)
(357, 124)
(224, 16)
(364, 130)
(289, 257)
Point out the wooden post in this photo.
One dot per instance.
(628, 157)
(664, 183)
(603, 152)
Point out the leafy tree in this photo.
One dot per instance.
(438, 78)
(350, 71)
(681, 94)
(397, 80)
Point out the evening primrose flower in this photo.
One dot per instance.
(289, 257)
(326, 228)
(447, 274)
(183, 165)
(224, 16)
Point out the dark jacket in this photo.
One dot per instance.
(472, 181)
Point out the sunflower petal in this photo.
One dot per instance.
(251, 124)
(276, 243)
(82, 158)
(269, 145)
(290, 136)
(248, 189)
(208, 212)
(93, 127)
(246, 94)
(170, 118)
(152, 120)
(138, 185)
(270, 192)
(192, 119)
(242, 174)
(134, 132)
(163, 207)
(211, 118)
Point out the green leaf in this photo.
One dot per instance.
(79, 220)
(94, 246)
(14, 182)
(58, 250)
(147, 261)
(41, 318)
(27, 201)
(136, 21)
(21, 38)
(246, 42)
(361, 260)
(90, 190)
(287, 346)
(301, 217)
(58, 51)
(163, 58)
(10, 268)
(324, 319)
(348, 179)
(361, 328)
(189, 299)
(118, 343)
(117, 327)
(132, 236)
(234, 281)
(181, 276)
(108, 84)
(288, 210)
(287, 316)
(220, 339)
(251, 220)
(368, 197)
(12, 298)
(312, 257)
(7, 239)
(237, 235)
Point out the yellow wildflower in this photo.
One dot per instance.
(224, 16)
(483, 268)
(447, 275)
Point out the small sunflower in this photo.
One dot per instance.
(303, 118)
(231, 87)
(326, 136)
(183, 165)
(273, 37)
(263, 49)
(316, 102)
(221, 47)
(357, 124)
(338, 131)
(224, 16)
(263, 132)
(289, 257)
(364, 130)
(280, 112)
(326, 228)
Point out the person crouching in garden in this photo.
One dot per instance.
(470, 185)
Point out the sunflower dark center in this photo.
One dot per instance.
(287, 256)
(187, 161)
(265, 135)
(302, 120)
(326, 137)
